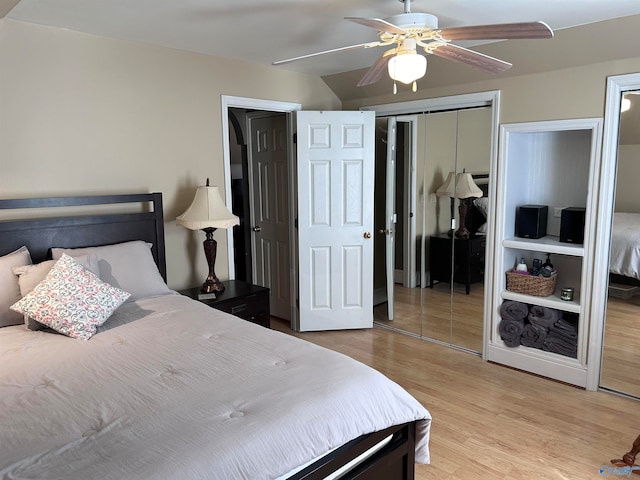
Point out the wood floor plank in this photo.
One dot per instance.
(490, 421)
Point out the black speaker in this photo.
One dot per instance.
(531, 221)
(572, 225)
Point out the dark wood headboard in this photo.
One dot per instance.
(482, 181)
(52, 228)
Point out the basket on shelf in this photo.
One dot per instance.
(535, 285)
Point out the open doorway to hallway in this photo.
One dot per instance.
(258, 153)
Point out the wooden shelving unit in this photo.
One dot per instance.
(554, 164)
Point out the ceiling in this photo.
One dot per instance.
(263, 31)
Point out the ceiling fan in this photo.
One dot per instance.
(408, 31)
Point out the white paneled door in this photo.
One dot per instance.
(335, 170)
(270, 209)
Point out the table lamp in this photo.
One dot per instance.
(208, 212)
(448, 189)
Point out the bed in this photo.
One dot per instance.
(624, 262)
(168, 387)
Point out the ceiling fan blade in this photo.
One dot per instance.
(377, 69)
(502, 31)
(471, 58)
(377, 24)
(333, 50)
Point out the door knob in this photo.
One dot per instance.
(257, 228)
(367, 235)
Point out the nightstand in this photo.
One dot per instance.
(468, 265)
(245, 300)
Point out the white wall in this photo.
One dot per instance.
(569, 93)
(83, 114)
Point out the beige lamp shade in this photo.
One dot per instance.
(448, 188)
(466, 187)
(207, 211)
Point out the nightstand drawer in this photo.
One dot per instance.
(245, 307)
(244, 300)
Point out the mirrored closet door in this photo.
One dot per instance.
(620, 370)
(438, 276)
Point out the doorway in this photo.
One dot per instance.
(337, 270)
(257, 161)
(259, 179)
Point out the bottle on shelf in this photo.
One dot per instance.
(522, 266)
(547, 267)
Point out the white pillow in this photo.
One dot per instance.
(9, 288)
(31, 275)
(129, 266)
(71, 300)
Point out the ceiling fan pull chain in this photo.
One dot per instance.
(414, 87)
(395, 87)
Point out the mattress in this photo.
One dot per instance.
(170, 388)
(625, 245)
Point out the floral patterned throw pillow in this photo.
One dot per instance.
(71, 300)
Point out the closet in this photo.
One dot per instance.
(457, 136)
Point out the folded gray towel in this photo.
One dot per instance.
(533, 336)
(512, 310)
(510, 331)
(562, 338)
(544, 316)
(558, 344)
(565, 329)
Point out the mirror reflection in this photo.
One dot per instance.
(621, 351)
(431, 219)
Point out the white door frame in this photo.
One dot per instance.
(228, 102)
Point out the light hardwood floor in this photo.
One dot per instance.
(435, 313)
(621, 352)
(490, 421)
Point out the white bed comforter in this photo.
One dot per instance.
(172, 389)
(625, 245)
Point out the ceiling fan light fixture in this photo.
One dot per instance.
(407, 67)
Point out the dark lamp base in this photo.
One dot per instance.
(463, 233)
(212, 285)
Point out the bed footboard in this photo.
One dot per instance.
(394, 461)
